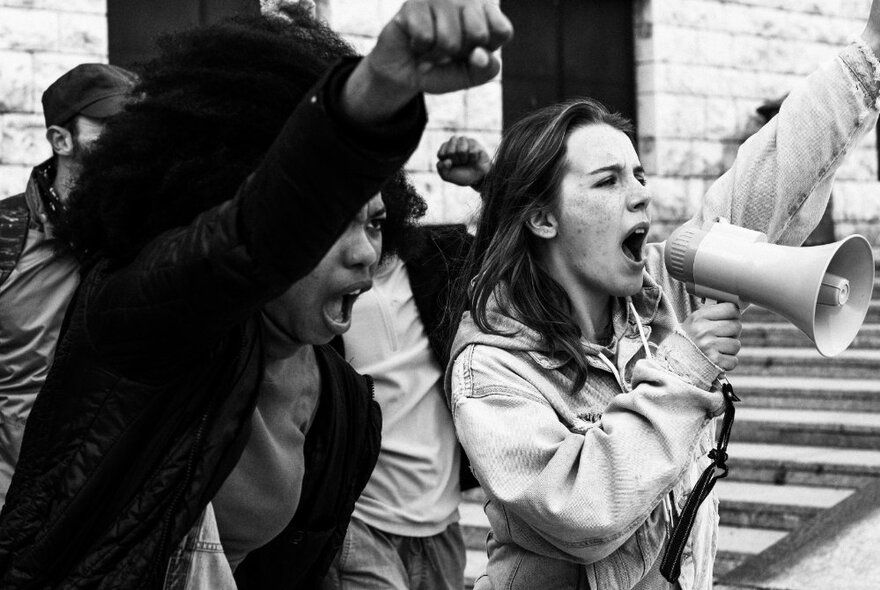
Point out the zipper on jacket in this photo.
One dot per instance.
(166, 521)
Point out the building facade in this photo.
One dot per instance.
(39, 41)
(699, 68)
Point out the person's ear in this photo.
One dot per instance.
(543, 224)
(60, 139)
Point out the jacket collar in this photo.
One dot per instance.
(42, 200)
(517, 336)
(646, 303)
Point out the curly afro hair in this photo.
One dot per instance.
(206, 111)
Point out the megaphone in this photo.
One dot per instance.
(823, 290)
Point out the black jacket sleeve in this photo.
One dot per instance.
(191, 284)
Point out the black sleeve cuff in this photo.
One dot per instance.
(409, 121)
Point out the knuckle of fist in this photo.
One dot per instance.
(449, 46)
(480, 37)
(422, 36)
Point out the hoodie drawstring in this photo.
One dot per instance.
(611, 367)
(644, 338)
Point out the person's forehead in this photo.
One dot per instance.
(374, 205)
(599, 145)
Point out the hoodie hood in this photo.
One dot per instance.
(515, 336)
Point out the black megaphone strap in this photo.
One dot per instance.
(670, 566)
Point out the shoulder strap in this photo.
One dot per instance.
(14, 220)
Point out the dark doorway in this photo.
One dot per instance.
(133, 24)
(569, 48)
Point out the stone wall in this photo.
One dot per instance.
(39, 41)
(704, 66)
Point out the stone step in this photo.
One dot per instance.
(807, 362)
(754, 313)
(855, 430)
(784, 334)
(801, 464)
(769, 506)
(807, 393)
(734, 543)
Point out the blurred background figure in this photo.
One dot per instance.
(404, 533)
(38, 273)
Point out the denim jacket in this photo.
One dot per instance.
(575, 482)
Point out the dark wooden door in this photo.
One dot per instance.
(569, 48)
(134, 24)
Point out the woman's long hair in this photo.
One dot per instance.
(208, 108)
(524, 180)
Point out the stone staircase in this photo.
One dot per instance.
(806, 434)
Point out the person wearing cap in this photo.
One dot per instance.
(195, 429)
(38, 273)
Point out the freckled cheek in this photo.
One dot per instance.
(603, 217)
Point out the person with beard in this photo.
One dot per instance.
(38, 273)
(195, 429)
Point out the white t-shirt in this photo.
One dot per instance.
(414, 489)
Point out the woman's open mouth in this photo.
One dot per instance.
(633, 245)
(337, 312)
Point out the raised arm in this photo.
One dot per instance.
(781, 179)
(463, 161)
(348, 134)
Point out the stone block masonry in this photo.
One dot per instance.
(39, 41)
(702, 68)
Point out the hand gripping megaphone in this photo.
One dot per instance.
(823, 290)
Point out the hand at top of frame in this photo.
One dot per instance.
(432, 46)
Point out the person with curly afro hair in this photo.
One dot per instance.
(195, 429)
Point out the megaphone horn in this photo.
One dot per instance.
(823, 290)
